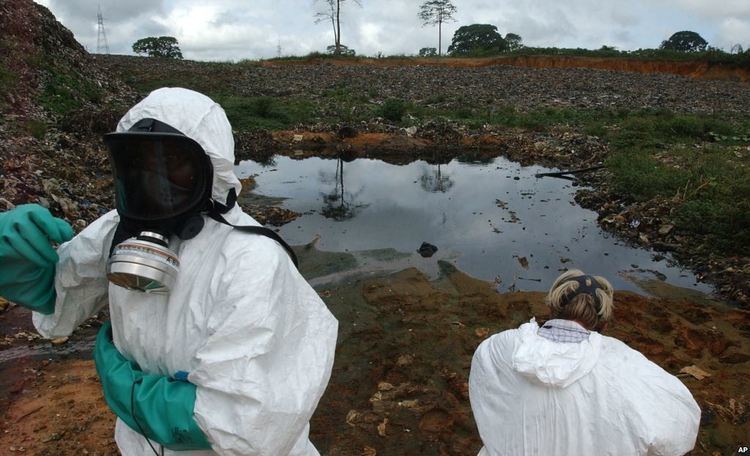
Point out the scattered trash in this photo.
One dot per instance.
(427, 250)
(404, 360)
(482, 333)
(59, 340)
(694, 371)
(666, 229)
(382, 427)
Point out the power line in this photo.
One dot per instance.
(101, 35)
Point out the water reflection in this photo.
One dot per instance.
(435, 181)
(338, 204)
(483, 217)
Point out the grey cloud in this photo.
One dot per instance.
(243, 29)
(114, 11)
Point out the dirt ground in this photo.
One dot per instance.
(399, 384)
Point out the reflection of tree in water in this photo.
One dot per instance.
(267, 162)
(336, 206)
(434, 181)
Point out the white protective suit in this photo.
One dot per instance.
(256, 339)
(533, 396)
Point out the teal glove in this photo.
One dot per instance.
(154, 405)
(27, 258)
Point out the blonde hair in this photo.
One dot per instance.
(565, 304)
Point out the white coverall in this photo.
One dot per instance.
(533, 396)
(256, 339)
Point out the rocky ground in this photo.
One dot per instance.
(458, 84)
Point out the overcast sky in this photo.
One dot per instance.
(243, 29)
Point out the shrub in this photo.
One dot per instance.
(393, 109)
(263, 107)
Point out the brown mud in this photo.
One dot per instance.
(399, 383)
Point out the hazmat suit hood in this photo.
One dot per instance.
(202, 120)
(530, 395)
(551, 363)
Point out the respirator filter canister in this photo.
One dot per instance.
(144, 263)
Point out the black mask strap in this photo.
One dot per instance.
(584, 288)
(260, 230)
(218, 208)
(125, 230)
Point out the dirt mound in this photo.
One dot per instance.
(54, 101)
(45, 67)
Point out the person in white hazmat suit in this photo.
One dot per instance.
(565, 389)
(217, 345)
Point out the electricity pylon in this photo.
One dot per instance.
(101, 35)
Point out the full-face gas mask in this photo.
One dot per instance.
(162, 186)
(163, 181)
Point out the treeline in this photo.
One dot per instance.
(483, 40)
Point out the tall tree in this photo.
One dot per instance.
(329, 14)
(477, 39)
(514, 41)
(163, 46)
(332, 12)
(436, 12)
(685, 41)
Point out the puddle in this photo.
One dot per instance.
(494, 221)
(13, 354)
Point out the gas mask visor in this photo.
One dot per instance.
(162, 178)
(158, 176)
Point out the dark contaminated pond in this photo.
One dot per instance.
(495, 220)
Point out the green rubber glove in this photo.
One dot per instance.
(153, 405)
(27, 258)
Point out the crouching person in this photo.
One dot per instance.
(565, 389)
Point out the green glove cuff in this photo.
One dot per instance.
(154, 405)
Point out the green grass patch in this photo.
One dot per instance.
(708, 183)
(249, 113)
(63, 92)
(506, 116)
(35, 128)
(7, 81)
